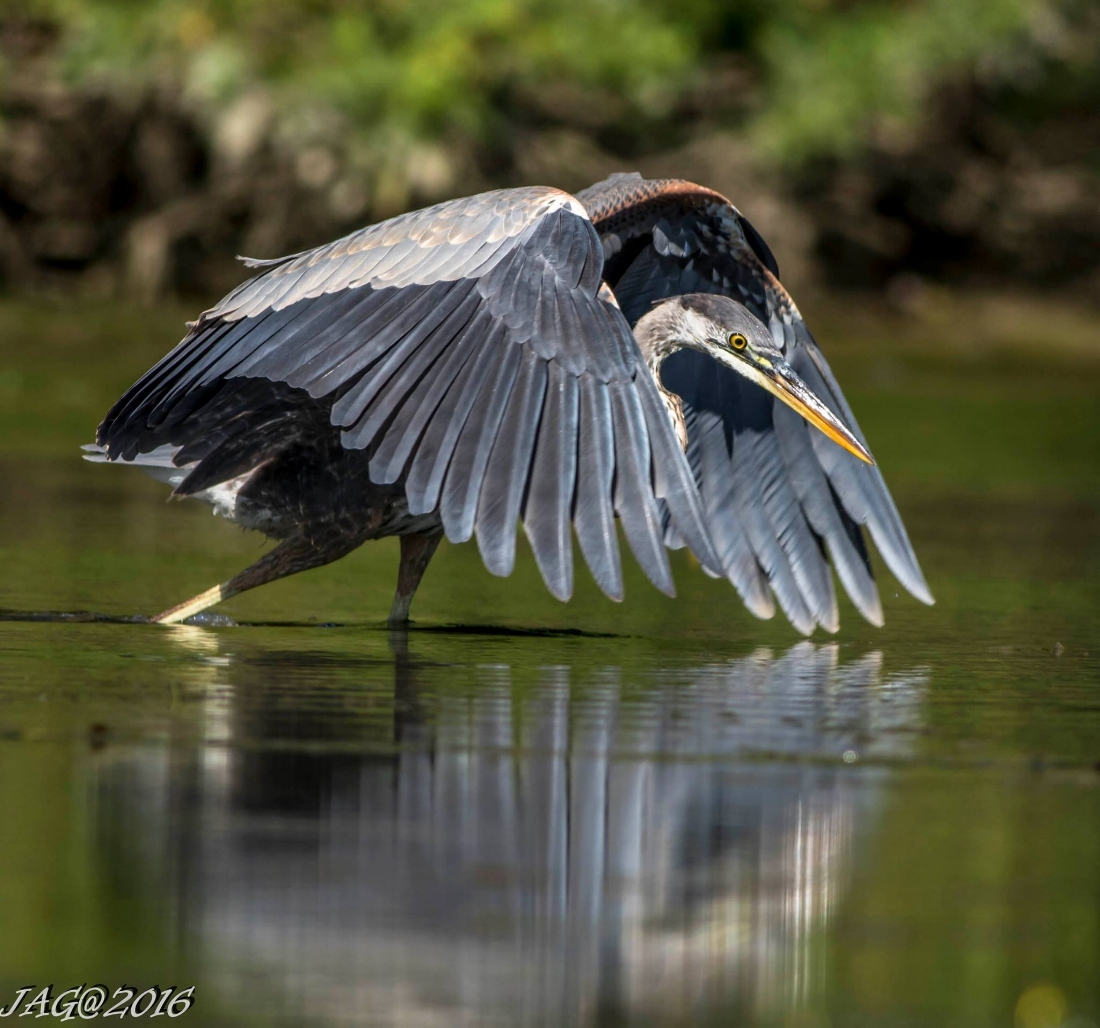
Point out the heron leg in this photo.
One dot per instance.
(416, 552)
(292, 555)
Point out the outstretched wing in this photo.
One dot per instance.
(778, 495)
(469, 349)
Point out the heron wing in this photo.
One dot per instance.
(468, 349)
(781, 500)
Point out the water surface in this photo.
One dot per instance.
(528, 813)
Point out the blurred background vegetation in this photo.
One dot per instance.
(878, 144)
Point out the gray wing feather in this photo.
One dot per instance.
(164, 375)
(462, 487)
(237, 350)
(750, 471)
(281, 356)
(507, 473)
(819, 504)
(388, 346)
(634, 500)
(710, 460)
(429, 467)
(860, 487)
(548, 507)
(224, 349)
(399, 442)
(673, 481)
(593, 515)
(792, 532)
(391, 396)
(344, 336)
(366, 407)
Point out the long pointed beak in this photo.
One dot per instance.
(781, 381)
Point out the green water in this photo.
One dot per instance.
(658, 812)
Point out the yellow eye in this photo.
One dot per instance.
(738, 341)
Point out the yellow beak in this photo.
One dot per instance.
(781, 381)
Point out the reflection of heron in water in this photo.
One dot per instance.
(542, 843)
(527, 355)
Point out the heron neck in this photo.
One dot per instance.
(659, 334)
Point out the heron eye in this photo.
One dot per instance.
(738, 341)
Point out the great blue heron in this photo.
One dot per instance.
(464, 367)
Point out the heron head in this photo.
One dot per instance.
(724, 329)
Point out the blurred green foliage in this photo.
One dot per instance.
(807, 76)
(833, 76)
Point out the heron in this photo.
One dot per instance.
(626, 356)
